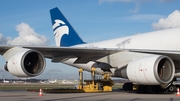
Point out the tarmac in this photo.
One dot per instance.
(108, 96)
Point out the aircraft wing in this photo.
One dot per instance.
(58, 54)
(84, 55)
(171, 53)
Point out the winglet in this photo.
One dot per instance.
(64, 33)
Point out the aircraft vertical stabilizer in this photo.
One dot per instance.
(64, 33)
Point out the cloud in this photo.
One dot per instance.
(4, 40)
(171, 21)
(27, 36)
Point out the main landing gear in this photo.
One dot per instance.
(168, 88)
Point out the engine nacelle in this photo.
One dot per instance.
(27, 63)
(151, 70)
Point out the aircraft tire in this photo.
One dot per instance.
(141, 89)
(172, 88)
(128, 87)
(149, 89)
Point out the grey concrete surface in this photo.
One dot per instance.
(111, 96)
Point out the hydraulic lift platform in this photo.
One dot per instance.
(101, 85)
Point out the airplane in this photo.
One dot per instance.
(53, 82)
(5, 81)
(150, 59)
(66, 82)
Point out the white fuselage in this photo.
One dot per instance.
(158, 40)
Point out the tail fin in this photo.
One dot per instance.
(64, 33)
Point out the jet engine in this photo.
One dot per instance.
(26, 63)
(151, 70)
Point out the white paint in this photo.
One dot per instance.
(60, 31)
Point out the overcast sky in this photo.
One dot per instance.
(27, 22)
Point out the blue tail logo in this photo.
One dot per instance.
(64, 34)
